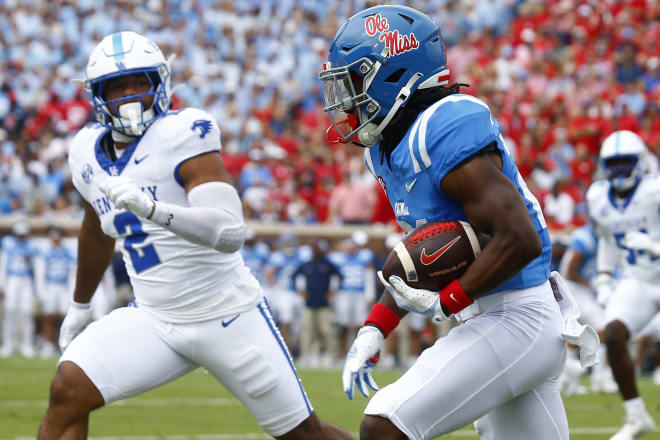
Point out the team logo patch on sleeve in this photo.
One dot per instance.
(87, 173)
(204, 126)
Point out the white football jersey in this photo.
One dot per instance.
(172, 278)
(639, 212)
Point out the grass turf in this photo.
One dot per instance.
(197, 407)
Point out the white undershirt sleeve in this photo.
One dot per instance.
(214, 219)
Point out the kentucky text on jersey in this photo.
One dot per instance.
(172, 278)
(102, 205)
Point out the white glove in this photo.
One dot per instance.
(124, 194)
(640, 241)
(414, 300)
(74, 322)
(363, 355)
(604, 288)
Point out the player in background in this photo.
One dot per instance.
(54, 273)
(439, 154)
(280, 286)
(255, 254)
(578, 267)
(356, 290)
(153, 181)
(17, 282)
(625, 211)
(317, 281)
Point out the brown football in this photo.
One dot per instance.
(433, 254)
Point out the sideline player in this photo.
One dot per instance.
(440, 155)
(17, 257)
(53, 271)
(357, 287)
(625, 210)
(153, 180)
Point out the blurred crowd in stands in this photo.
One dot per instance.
(559, 75)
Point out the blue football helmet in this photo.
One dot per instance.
(378, 58)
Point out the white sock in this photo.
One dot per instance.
(635, 405)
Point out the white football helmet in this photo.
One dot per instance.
(622, 157)
(128, 53)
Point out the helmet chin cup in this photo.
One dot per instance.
(367, 137)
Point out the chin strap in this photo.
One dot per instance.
(370, 134)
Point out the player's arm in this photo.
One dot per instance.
(95, 251)
(215, 216)
(494, 206)
(606, 259)
(575, 259)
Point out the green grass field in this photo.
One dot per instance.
(197, 407)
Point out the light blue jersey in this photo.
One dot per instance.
(58, 262)
(255, 258)
(444, 135)
(285, 265)
(584, 241)
(353, 269)
(19, 257)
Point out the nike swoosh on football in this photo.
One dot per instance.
(429, 259)
(410, 185)
(137, 161)
(226, 323)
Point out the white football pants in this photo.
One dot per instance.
(499, 368)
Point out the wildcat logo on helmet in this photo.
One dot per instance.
(396, 44)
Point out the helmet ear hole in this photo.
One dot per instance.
(395, 76)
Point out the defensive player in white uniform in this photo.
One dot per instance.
(625, 209)
(439, 155)
(153, 180)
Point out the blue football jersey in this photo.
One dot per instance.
(353, 269)
(285, 265)
(584, 241)
(59, 261)
(255, 258)
(19, 256)
(444, 135)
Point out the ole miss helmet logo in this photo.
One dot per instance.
(395, 42)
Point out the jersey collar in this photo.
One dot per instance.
(110, 167)
(626, 201)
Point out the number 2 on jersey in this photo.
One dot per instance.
(142, 257)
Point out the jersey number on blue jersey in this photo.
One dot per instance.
(142, 257)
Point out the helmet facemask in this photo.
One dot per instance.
(349, 108)
(623, 171)
(129, 114)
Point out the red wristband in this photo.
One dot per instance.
(383, 317)
(454, 298)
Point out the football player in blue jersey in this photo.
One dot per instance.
(439, 155)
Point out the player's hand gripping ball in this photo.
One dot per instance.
(434, 254)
